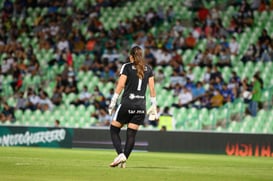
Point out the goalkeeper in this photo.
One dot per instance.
(134, 78)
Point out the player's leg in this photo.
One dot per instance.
(114, 131)
(121, 117)
(130, 138)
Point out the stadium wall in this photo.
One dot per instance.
(187, 142)
(36, 136)
(232, 144)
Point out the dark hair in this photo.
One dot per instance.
(136, 53)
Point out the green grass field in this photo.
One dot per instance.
(17, 163)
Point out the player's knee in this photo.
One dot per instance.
(114, 129)
(116, 124)
(133, 126)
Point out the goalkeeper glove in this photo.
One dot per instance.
(113, 103)
(152, 112)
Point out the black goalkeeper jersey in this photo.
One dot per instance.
(135, 88)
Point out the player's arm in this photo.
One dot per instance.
(152, 86)
(152, 110)
(120, 86)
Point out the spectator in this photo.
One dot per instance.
(190, 41)
(77, 41)
(256, 96)
(189, 84)
(233, 26)
(178, 27)
(234, 46)
(84, 97)
(163, 128)
(87, 63)
(103, 118)
(17, 82)
(60, 83)
(245, 14)
(57, 123)
(211, 45)
(21, 101)
(190, 75)
(197, 59)
(57, 97)
(250, 55)
(218, 83)
(7, 113)
(8, 7)
(206, 60)
(177, 79)
(44, 102)
(63, 44)
(197, 31)
(227, 93)
(69, 58)
(107, 75)
(159, 76)
(163, 57)
(71, 86)
(265, 46)
(215, 73)
(98, 98)
(5, 67)
(207, 75)
(69, 80)
(198, 91)
(216, 100)
(184, 98)
(170, 14)
(255, 4)
(177, 63)
(110, 95)
(149, 57)
(90, 45)
(32, 100)
(215, 14)
(224, 58)
(223, 44)
(1, 81)
(203, 13)
(234, 81)
(262, 6)
(33, 67)
(179, 41)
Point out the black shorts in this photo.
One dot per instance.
(130, 114)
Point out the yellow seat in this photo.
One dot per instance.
(167, 121)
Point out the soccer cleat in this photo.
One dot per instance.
(122, 165)
(121, 158)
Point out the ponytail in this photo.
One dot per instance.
(139, 63)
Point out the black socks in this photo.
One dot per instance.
(116, 138)
(130, 140)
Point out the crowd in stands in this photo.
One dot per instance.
(59, 31)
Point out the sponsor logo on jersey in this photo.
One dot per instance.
(133, 96)
(130, 111)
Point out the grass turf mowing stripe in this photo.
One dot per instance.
(20, 163)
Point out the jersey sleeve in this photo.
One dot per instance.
(150, 72)
(124, 70)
